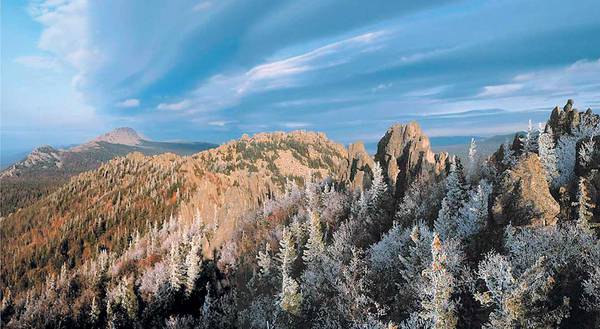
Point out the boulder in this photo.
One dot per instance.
(523, 195)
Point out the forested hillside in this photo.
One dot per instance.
(294, 231)
(46, 168)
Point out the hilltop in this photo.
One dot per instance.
(46, 168)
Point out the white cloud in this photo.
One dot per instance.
(381, 87)
(132, 102)
(578, 80)
(499, 90)
(37, 62)
(221, 90)
(184, 104)
(220, 123)
(66, 35)
(202, 5)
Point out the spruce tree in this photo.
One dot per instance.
(456, 195)
(193, 265)
(315, 245)
(177, 273)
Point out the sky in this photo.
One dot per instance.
(211, 70)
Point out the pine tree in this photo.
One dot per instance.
(94, 312)
(129, 299)
(439, 307)
(290, 298)
(509, 158)
(547, 153)
(176, 268)
(456, 195)
(473, 215)
(287, 252)
(529, 141)
(264, 261)
(193, 264)
(315, 246)
(566, 156)
(472, 164)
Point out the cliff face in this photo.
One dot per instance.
(359, 167)
(405, 155)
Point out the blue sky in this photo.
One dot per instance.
(211, 70)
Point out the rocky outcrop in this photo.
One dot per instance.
(359, 167)
(405, 155)
(523, 196)
(123, 136)
(568, 119)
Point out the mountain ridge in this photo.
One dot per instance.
(46, 167)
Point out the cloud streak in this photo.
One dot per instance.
(129, 103)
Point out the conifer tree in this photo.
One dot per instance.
(456, 195)
(193, 265)
(264, 261)
(529, 141)
(472, 162)
(315, 245)
(547, 153)
(290, 298)
(94, 312)
(177, 273)
(439, 307)
(473, 215)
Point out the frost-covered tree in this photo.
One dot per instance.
(315, 245)
(587, 151)
(287, 252)
(193, 263)
(473, 215)
(122, 305)
(508, 155)
(94, 315)
(290, 298)
(472, 162)
(264, 261)
(529, 141)
(523, 301)
(177, 271)
(438, 306)
(456, 195)
(547, 153)
(566, 157)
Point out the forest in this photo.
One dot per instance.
(468, 249)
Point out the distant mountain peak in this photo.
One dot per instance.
(122, 135)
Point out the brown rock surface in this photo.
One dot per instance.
(405, 155)
(359, 167)
(523, 192)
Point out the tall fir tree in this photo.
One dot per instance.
(193, 264)
(456, 195)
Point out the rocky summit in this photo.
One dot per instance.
(405, 155)
(123, 136)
